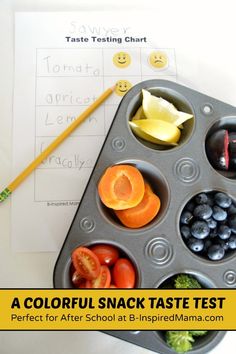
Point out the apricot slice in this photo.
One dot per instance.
(147, 188)
(121, 187)
(143, 213)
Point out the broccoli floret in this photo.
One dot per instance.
(184, 281)
(180, 341)
(198, 333)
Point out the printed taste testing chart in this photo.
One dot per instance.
(60, 70)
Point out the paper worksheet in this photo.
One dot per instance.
(63, 62)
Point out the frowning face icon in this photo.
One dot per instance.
(121, 60)
(158, 59)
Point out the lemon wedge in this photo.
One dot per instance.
(141, 134)
(139, 114)
(159, 129)
(159, 109)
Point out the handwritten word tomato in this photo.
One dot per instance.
(106, 254)
(86, 263)
(102, 281)
(123, 274)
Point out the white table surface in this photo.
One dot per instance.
(35, 269)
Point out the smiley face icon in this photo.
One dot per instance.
(121, 60)
(122, 87)
(158, 60)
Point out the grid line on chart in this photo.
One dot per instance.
(176, 71)
(140, 59)
(69, 137)
(115, 48)
(58, 201)
(97, 76)
(69, 105)
(103, 83)
(70, 76)
(61, 105)
(63, 168)
(35, 99)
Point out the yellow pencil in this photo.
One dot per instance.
(31, 167)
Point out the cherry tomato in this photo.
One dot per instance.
(72, 270)
(76, 279)
(86, 263)
(123, 274)
(106, 254)
(102, 281)
(82, 285)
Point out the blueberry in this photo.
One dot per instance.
(207, 244)
(210, 200)
(213, 233)
(224, 232)
(232, 209)
(200, 229)
(195, 244)
(186, 217)
(232, 222)
(212, 224)
(216, 252)
(224, 222)
(185, 231)
(190, 206)
(231, 242)
(201, 198)
(202, 211)
(219, 214)
(223, 200)
(223, 244)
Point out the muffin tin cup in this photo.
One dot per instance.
(229, 254)
(228, 123)
(201, 345)
(159, 185)
(66, 281)
(178, 173)
(154, 340)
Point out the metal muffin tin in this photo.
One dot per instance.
(176, 174)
